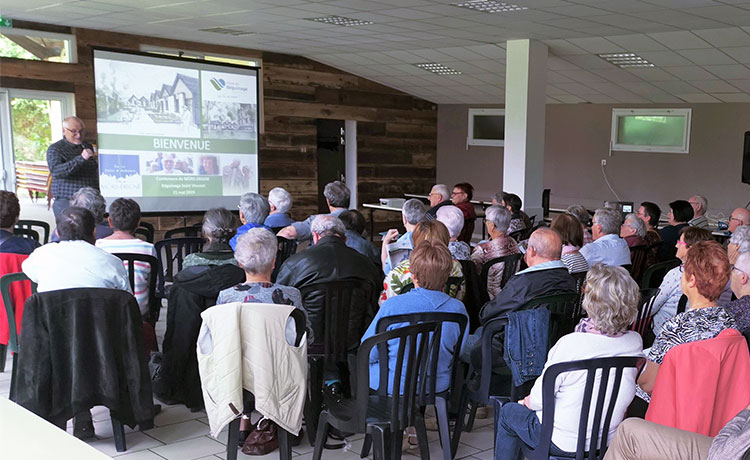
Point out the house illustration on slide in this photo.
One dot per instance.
(181, 96)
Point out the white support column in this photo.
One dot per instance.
(525, 99)
(350, 141)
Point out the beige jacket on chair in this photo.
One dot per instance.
(243, 345)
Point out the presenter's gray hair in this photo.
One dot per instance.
(637, 224)
(741, 237)
(452, 218)
(609, 219)
(443, 190)
(280, 198)
(327, 225)
(256, 250)
(337, 194)
(90, 198)
(414, 211)
(499, 216)
(254, 207)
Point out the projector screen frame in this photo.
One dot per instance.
(193, 63)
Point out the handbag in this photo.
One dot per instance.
(263, 440)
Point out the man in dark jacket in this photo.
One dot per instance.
(329, 259)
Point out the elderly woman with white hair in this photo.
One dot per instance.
(90, 198)
(739, 243)
(254, 209)
(611, 302)
(412, 212)
(497, 220)
(633, 231)
(453, 219)
(280, 202)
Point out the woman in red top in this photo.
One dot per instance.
(461, 197)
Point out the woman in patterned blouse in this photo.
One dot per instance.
(704, 276)
(497, 221)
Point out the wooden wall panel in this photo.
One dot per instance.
(397, 133)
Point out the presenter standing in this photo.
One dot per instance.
(72, 164)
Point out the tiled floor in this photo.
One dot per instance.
(182, 435)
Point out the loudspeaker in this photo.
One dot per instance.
(746, 159)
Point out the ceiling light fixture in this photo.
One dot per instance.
(624, 60)
(341, 21)
(226, 31)
(439, 69)
(490, 6)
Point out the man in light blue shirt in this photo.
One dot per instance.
(337, 197)
(607, 248)
(280, 203)
(412, 212)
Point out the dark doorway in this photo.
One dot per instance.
(331, 156)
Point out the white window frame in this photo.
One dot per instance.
(70, 40)
(470, 140)
(684, 148)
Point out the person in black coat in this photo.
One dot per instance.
(680, 213)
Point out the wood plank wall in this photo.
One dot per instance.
(397, 133)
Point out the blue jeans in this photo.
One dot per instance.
(59, 205)
(517, 424)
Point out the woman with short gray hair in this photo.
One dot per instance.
(280, 202)
(739, 243)
(337, 194)
(633, 231)
(497, 220)
(453, 219)
(219, 226)
(90, 198)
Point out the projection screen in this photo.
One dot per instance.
(175, 134)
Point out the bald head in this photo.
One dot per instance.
(740, 216)
(545, 245)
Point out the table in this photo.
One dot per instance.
(377, 207)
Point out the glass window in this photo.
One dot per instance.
(640, 130)
(37, 45)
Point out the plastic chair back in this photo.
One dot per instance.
(510, 267)
(28, 224)
(171, 253)
(472, 296)
(580, 278)
(681, 304)
(5, 282)
(153, 301)
(147, 230)
(286, 249)
(654, 274)
(642, 322)
(562, 308)
(192, 231)
(638, 261)
(27, 233)
(607, 390)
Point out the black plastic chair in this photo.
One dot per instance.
(439, 400)
(580, 278)
(681, 304)
(638, 261)
(642, 322)
(654, 274)
(27, 233)
(604, 367)
(171, 253)
(285, 445)
(28, 224)
(192, 231)
(154, 302)
(5, 282)
(339, 339)
(452, 285)
(146, 230)
(384, 416)
(510, 267)
(472, 297)
(286, 249)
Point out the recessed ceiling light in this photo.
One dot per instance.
(624, 60)
(341, 21)
(439, 69)
(226, 31)
(490, 6)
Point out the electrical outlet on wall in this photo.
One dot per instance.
(604, 162)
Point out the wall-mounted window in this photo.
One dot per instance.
(651, 130)
(486, 127)
(36, 45)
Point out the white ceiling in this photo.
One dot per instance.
(701, 48)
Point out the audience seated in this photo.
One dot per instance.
(453, 219)
(739, 242)
(124, 217)
(10, 209)
(254, 209)
(633, 231)
(256, 255)
(680, 213)
(497, 219)
(219, 226)
(329, 259)
(400, 277)
(611, 302)
(431, 265)
(650, 213)
(90, 198)
(412, 213)
(279, 202)
(637, 439)
(584, 217)
(704, 276)
(337, 197)
(700, 206)
(461, 198)
(354, 222)
(740, 278)
(571, 234)
(739, 217)
(607, 248)
(439, 196)
(670, 290)
(519, 220)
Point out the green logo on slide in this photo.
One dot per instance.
(218, 83)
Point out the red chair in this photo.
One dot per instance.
(17, 293)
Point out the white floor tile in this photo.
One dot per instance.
(190, 449)
(179, 431)
(485, 455)
(176, 414)
(133, 441)
(480, 438)
(142, 455)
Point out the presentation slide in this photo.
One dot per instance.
(175, 135)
